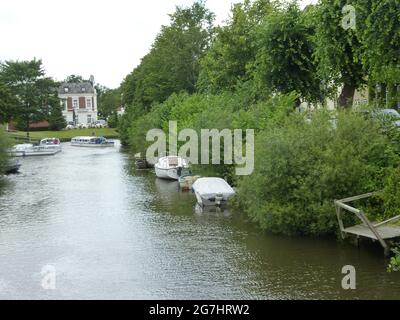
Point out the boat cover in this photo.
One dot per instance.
(209, 187)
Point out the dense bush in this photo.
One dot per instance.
(394, 265)
(3, 148)
(302, 166)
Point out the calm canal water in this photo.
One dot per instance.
(113, 233)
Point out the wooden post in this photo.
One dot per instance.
(340, 221)
(372, 228)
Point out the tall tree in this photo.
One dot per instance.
(284, 60)
(73, 78)
(338, 50)
(7, 103)
(108, 102)
(27, 82)
(173, 62)
(378, 27)
(233, 51)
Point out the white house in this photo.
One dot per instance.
(79, 102)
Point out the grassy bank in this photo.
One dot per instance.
(64, 135)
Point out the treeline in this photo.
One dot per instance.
(253, 72)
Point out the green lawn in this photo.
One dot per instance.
(64, 135)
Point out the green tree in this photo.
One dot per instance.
(379, 31)
(55, 117)
(284, 60)
(7, 103)
(27, 82)
(338, 51)
(378, 27)
(3, 151)
(233, 51)
(108, 102)
(173, 62)
(73, 78)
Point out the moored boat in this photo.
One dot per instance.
(50, 142)
(170, 167)
(12, 166)
(187, 179)
(94, 142)
(28, 150)
(212, 191)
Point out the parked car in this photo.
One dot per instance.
(390, 116)
(70, 125)
(83, 126)
(101, 124)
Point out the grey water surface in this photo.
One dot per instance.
(111, 232)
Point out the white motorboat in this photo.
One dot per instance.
(170, 167)
(212, 191)
(94, 142)
(50, 142)
(12, 166)
(28, 149)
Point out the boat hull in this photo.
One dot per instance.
(216, 201)
(212, 191)
(93, 145)
(13, 168)
(170, 174)
(35, 153)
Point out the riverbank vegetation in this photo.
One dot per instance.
(64, 135)
(3, 153)
(254, 72)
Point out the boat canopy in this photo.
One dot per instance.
(209, 187)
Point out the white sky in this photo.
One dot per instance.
(100, 37)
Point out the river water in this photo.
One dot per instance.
(107, 231)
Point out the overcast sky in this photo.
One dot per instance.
(106, 38)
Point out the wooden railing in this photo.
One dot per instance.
(343, 205)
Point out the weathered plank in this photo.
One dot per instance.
(363, 196)
(385, 232)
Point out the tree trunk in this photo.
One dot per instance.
(346, 97)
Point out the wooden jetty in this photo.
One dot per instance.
(382, 231)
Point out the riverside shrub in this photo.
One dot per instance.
(3, 149)
(302, 166)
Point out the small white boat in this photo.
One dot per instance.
(28, 150)
(212, 191)
(94, 142)
(12, 166)
(50, 142)
(170, 167)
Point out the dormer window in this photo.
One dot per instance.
(65, 89)
(83, 89)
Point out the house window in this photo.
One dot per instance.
(89, 103)
(65, 89)
(89, 118)
(83, 89)
(75, 103)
